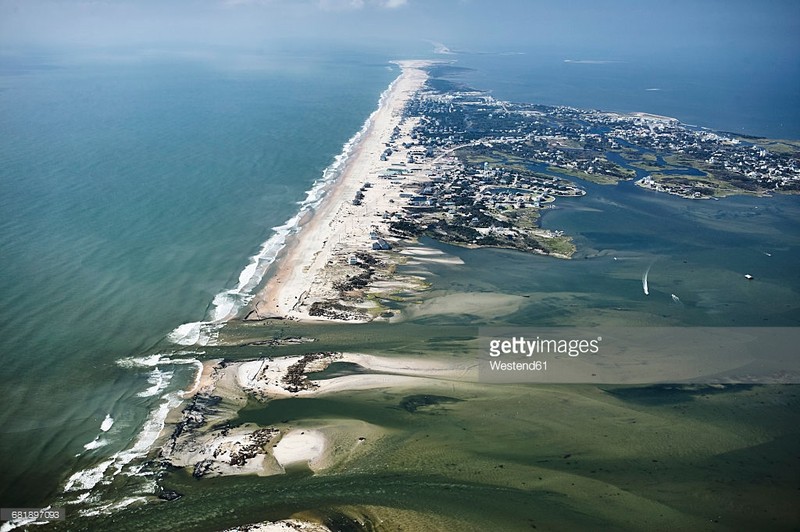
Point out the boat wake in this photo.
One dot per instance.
(645, 286)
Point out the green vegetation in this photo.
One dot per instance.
(706, 185)
(600, 179)
(558, 245)
(791, 147)
(643, 160)
(525, 218)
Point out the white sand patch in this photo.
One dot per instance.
(421, 367)
(300, 446)
(487, 305)
(286, 525)
(422, 255)
(371, 382)
(266, 377)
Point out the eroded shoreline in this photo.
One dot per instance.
(208, 441)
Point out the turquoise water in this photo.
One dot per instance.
(132, 193)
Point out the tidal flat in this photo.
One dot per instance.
(472, 456)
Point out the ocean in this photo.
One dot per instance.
(136, 191)
(133, 192)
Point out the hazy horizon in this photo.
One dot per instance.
(598, 30)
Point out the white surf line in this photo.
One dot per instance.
(86, 479)
(228, 303)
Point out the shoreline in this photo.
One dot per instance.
(205, 441)
(334, 243)
(248, 295)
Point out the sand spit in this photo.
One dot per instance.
(300, 446)
(287, 376)
(204, 441)
(482, 304)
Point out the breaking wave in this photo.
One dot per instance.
(228, 303)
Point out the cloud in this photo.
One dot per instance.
(236, 3)
(340, 5)
(350, 5)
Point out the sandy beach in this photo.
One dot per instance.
(286, 525)
(325, 249)
(204, 441)
(285, 377)
(335, 244)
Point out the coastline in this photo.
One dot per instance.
(324, 250)
(206, 441)
(310, 445)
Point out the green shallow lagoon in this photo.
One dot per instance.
(516, 456)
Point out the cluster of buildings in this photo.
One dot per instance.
(590, 144)
(490, 165)
(738, 160)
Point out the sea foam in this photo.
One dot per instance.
(158, 359)
(228, 303)
(95, 443)
(159, 380)
(107, 423)
(88, 478)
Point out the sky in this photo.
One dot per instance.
(604, 26)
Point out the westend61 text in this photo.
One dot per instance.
(518, 345)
